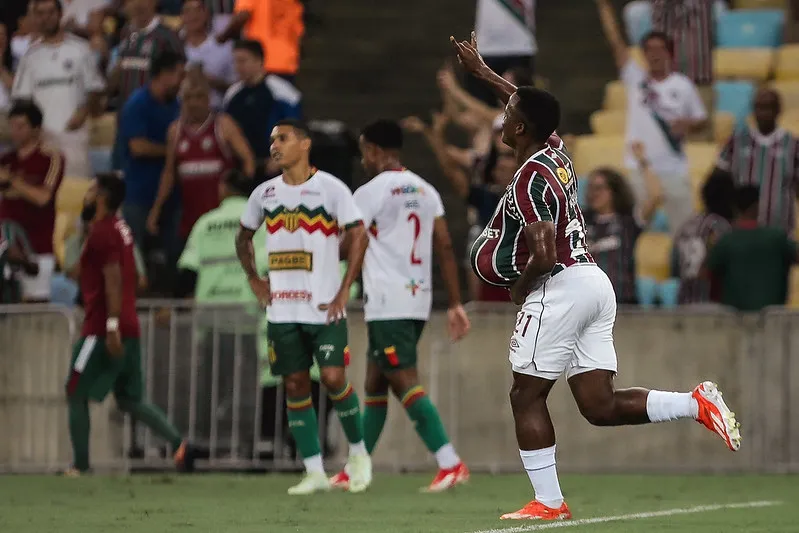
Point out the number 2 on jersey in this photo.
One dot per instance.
(417, 230)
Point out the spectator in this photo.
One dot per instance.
(506, 34)
(201, 147)
(142, 39)
(259, 101)
(6, 77)
(613, 223)
(697, 236)
(277, 25)
(752, 262)
(68, 90)
(85, 18)
(144, 122)
(663, 108)
(15, 254)
(767, 157)
(221, 11)
(215, 60)
(27, 34)
(690, 24)
(29, 178)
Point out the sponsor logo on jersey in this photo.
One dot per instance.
(291, 260)
(514, 345)
(563, 175)
(490, 233)
(291, 296)
(200, 168)
(412, 204)
(309, 220)
(68, 64)
(414, 286)
(207, 144)
(52, 82)
(269, 192)
(307, 192)
(183, 146)
(406, 189)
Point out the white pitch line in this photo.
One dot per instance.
(634, 516)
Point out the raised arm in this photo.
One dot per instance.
(610, 26)
(435, 139)
(472, 61)
(458, 321)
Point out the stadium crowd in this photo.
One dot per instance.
(689, 180)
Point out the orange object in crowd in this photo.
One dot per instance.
(278, 26)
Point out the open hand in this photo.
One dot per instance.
(113, 343)
(152, 222)
(457, 323)
(413, 125)
(467, 54)
(336, 310)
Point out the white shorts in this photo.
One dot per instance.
(566, 325)
(38, 287)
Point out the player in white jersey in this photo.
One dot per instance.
(60, 74)
(405, 218)
(535, 246)
(305, 210)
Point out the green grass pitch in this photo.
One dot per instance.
(259, 504)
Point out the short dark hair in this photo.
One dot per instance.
(386, 134)
(166, 61)
(113, 186)
(661, 36)
(300, 127)
(238, 182)
(718, 194)
(541, 109)
(746, 197)
(29, 110)
(58, 5)
(251, 46)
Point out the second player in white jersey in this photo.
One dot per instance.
(400, 209)
(302, 226)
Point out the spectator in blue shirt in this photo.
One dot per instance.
(144, 122)
(259, 101)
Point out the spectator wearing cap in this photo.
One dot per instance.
(663, 108)
(752, 262)
(766, 156)
(258, 101)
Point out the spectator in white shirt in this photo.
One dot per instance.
(663, 107)
(506, 35)
(60, 74)
(202, 49)
(27, 34)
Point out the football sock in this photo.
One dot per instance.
(346, 404)
(304, 427)
(540, 467)
(314, 465)
(665, 406)
(375, 411)
(447, 458)
(79, 425)
(425, 418)
(155, 419)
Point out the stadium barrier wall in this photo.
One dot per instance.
(202, 367)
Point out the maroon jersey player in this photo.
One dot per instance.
(202, 147)
(30, 176)
(534, 245)
(107, 357)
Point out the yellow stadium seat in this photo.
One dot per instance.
(174, 23)
(592, 151)
(701, 157)
(609, 122)
(615, 95)
(103, 131)
(790, 121)
(69, 198)
(793, 288)
(65, 225)
(759, 4)
(723, 126)
(789, 92)
(743, 63)
(653, 256)
(788, 62)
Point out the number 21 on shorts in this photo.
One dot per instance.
(522, 323)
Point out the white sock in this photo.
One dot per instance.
(359, 448)
(540, 467)
(665, 406)
(446, 457)
(313, 464)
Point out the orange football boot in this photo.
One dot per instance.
(716, 416)
(448, 478)
(536, 510)
(340, 481)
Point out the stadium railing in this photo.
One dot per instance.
(202, 367)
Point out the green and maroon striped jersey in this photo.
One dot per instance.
(137, 48)
(544, 189)
(691, 25)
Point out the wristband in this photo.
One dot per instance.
(112, 325)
